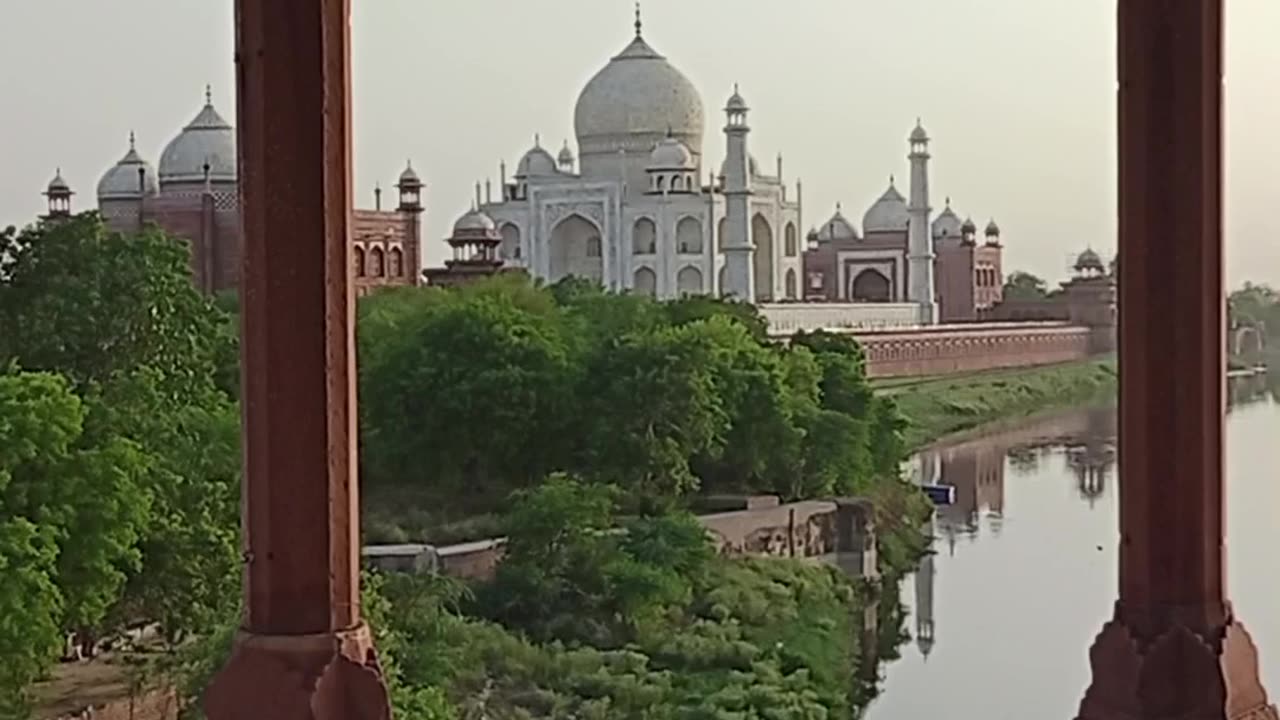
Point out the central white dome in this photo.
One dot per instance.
(636, 101)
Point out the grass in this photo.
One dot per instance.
(936, 407)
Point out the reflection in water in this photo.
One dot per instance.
(1024, 570)
(924, 606)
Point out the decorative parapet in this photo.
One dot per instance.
(786, 319)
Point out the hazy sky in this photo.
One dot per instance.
(1017, 94)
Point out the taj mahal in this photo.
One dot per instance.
(637, 209)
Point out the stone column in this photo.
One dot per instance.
(303, 651)
(1173, 648)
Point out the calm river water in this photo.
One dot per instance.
(1024, 574)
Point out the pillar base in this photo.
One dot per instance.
(306, 677)
(1178, 675)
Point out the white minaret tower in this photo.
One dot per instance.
(739, 251)
(920, 256)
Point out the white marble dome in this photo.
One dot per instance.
(671, 154)
(120, 182)
(536, 162)
(206, 139)
(475, 227)
(634, 102)
(888, 214)
(474, 221)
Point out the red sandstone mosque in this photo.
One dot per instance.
(195, 195)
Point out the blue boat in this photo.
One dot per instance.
(940, 494)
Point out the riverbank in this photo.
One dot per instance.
(936, 407)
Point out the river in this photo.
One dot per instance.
(1024, 571)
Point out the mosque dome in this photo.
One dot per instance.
(671, 154)
(121, 181)
(635, 101)
(1089, 260)
(837, 228)
(536, 162)
(993, 230)
(888, 214)
(919, 135)
(947, 224)
(968, 228)
(207, 139)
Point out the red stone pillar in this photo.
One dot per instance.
(1173, 649)
(303, 651)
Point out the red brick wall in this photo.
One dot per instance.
(945, 350)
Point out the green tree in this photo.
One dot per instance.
(650, 405)
(692, 308)
(191, 551)
(468, 394)
(118, 316)
(89, 303)
(71, 514)
(757, 388)
(1021, 285)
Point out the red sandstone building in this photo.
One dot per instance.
(195, 195)
(843, 265)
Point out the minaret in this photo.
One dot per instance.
(58, 193)
(739, 251)
(919, 245)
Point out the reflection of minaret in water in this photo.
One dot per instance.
(1093, 460)
(924, 602)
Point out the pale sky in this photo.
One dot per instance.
(1017, 94)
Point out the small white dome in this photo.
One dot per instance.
(536, 162)
(207, 139)
(918, 135)
(474, 221)
(837, 228)
(566, 155)
(635, 101)
(947, 224)
(888, 214)
(671, 154)
(121, 181)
